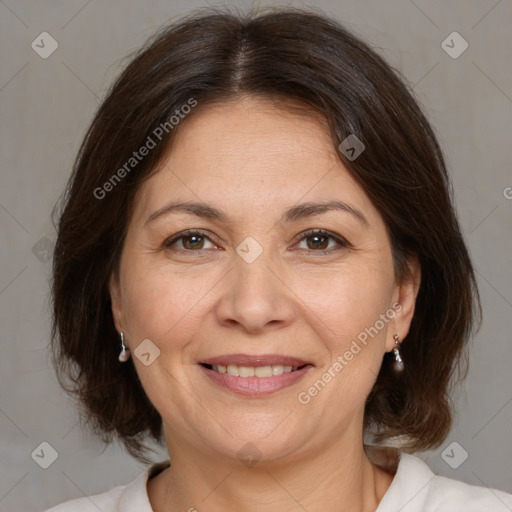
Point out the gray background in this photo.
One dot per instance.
(45, 108)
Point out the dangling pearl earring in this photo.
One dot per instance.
(125, 351)
(399, 364)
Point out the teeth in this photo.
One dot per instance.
(251, 371)
(245, 371)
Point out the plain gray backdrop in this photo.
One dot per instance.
(46, 105)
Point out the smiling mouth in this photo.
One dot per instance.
(253, 371)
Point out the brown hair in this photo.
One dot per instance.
(293, 55)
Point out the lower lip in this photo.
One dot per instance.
(255, 386)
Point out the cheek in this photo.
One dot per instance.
(350, 308)
(158, 301)
(348, 300)
(361, 322)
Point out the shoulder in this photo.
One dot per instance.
(446, 493)
(132, 497)
(415, 488)
(106, 502)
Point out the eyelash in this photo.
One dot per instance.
(184, 234)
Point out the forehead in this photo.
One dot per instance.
(250, 155)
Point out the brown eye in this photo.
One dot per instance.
(191, 241)
(319, 240)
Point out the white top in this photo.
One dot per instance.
(415, 488)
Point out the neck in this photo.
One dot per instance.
(337, 477)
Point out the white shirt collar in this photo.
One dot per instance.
(414, 488)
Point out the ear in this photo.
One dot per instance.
(405, 294)
(115, 299)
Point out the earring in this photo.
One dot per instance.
(399, 364)
(125, 351)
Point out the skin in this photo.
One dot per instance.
(254, 160)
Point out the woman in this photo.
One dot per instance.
(258, 261)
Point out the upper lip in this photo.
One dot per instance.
(255, 360)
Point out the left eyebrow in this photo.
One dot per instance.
(293, 214)
(309, 209)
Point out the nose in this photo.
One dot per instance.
(256, 297)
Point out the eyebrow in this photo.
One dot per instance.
(295, 213)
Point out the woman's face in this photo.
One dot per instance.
(255, 282)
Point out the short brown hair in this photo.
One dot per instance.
(285, 54)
